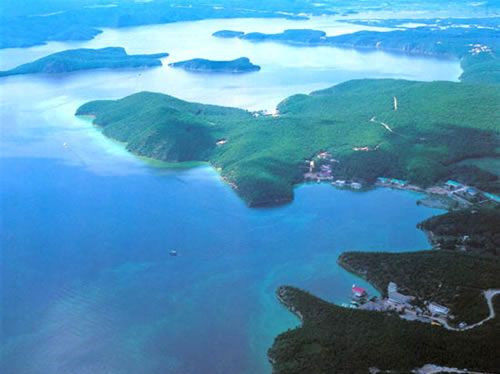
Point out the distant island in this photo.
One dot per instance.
(200, 65)
(86, 59)
(292, 36)
(228, 34)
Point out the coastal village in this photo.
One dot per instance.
(407, 307)
(450, 194)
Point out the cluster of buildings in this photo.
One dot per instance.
(478, 48)
(402, 304)
(391, 182)
(320, 168)
(468, 195)
(465, 195)
(344, 183)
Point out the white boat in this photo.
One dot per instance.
(173, 252)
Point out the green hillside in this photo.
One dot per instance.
(474, 230)
(333, 339)
(437, 125)
(86, 59)
(201, 65)
(451, 278)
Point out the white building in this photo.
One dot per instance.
(438, 309)
(395, 297)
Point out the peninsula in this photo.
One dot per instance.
(263, 157)
(86, 59)
(334, 339)
(200, 65)
(446, 300)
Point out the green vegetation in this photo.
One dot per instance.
(341, 340)
(450, 42)
(477, 47)
(36, 24)
(450, 278)
(474, 230)
(472, 175)
(85, 59)
(239, 65)
(489, 165)
(437, 125)
(25, 23)
(227, 34)
(336, 339)
(481, 68)
(299, 36)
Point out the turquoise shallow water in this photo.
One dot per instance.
(89, 286)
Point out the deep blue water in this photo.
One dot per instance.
(89, 286)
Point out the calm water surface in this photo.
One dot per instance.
(85, 230)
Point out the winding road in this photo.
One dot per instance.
(489, 295)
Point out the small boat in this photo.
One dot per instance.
(173, 252)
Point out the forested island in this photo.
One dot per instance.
(86, 59)
(228, 34)
(292, 36)
(200, 65)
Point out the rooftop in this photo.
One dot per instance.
(399, 181)
(358, 290)
(453, 183)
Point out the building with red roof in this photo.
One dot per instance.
(358, 291)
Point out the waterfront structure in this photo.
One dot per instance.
(358, 291)
(399, 182)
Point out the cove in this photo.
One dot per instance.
(89, 286)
